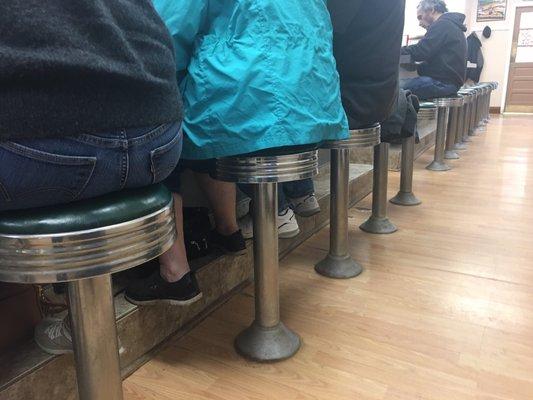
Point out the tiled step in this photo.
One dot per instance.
(28, 373)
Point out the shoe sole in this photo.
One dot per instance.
(55, 352)
(228, 252)
(289, 235)
(307, 214)
(165, 301)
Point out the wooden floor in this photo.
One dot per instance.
(443, 310)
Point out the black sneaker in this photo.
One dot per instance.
(233, 244)
(155, 290)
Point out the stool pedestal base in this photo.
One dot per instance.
(405, 199)
(460, 146)
(451, 155)
(338, 267)
(405, 196)
(378, 222)
(379, 226)
(438, 166)
(263, 344)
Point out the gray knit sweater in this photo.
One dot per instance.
(84, 66)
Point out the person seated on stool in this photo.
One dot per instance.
(254, 75)
(442, 52)
(88, 109)
(373, 31)
(367, 37)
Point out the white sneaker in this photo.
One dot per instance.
(246, 226)
(287, 225)
(305, 206)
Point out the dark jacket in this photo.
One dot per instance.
(402, 122)
(78, 66)
(442, 51)
(367, 39)
(475, 56)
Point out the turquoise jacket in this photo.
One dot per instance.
(254, 74)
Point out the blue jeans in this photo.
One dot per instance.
(42, 172)
(291, 190)
(426, 88)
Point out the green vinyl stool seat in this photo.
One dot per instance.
(111, 209)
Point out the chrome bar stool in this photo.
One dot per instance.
(486, 106)
(493, 86)
(443, 104)
(483, 106)
(469, 96)
(378, 222)
(339, 263)
(267, 339)
(479, 124)
(405, 196)
(453, 124)
(459, 133)
(83, 243)
(473, 112)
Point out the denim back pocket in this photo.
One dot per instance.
(34, 178)
(165, 158)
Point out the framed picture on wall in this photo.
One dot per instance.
(491, 10)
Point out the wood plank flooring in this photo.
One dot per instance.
(443, 310)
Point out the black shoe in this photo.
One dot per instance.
(232, 244)
(155, 290)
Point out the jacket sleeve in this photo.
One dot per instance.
(428, 45)
(185, 19)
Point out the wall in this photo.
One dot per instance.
(497, 49)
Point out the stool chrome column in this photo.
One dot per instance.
(339, 263)
(267, 339)
(405, 196)
(468, 98)
(453, 125)
(473, 112)
(444, 104)
(378, 223)
(493, 86)
(483, 108)
(83, 243)
(479, 123)
(459, 144)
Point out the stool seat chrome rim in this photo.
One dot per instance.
(359, 138)
(428, 111)
(70, 256)
(449, 101)
(468, 95)
(268, 169)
